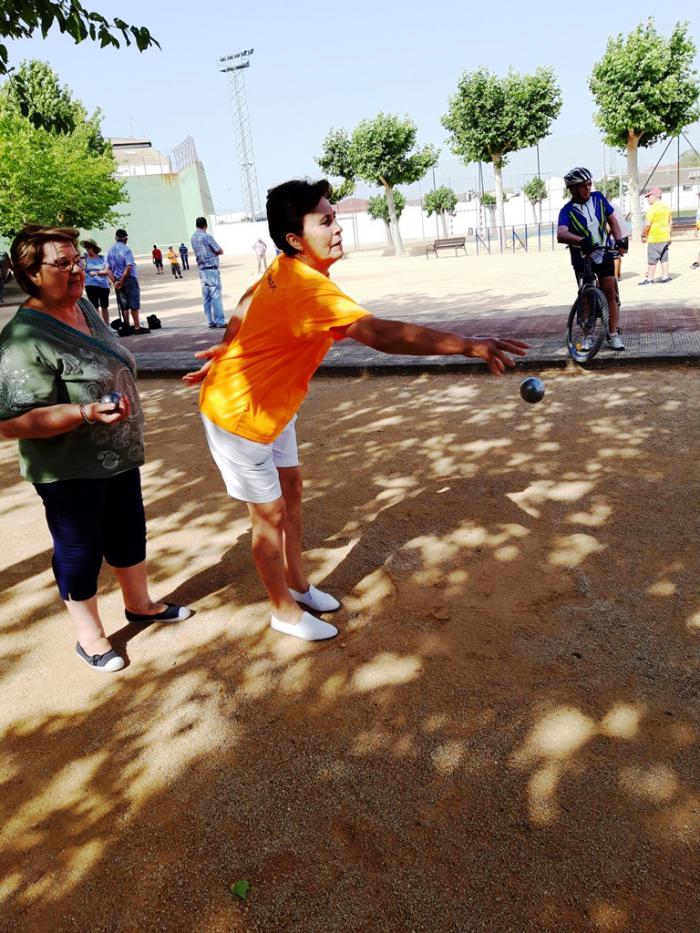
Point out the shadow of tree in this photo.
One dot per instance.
(501, 738)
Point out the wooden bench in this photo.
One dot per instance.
(455, 243)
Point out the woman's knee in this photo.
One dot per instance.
(269, 517)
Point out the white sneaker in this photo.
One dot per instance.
(309, 628)
(316, 599)
(615, 341)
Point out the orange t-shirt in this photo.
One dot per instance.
(256, 387)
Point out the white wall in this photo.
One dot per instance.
(360, 231)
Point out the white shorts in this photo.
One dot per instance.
(249, 469)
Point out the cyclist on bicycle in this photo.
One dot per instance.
(583, 226)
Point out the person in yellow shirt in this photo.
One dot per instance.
(174, 263)
(253, 383)
(657, 235)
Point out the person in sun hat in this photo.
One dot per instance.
(96, 278)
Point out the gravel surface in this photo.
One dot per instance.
(502, 738)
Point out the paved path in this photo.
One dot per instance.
(524, 295)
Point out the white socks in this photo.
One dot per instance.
(316, 600)
(309, 628)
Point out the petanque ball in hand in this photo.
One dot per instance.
(111, 398)
(532, 389)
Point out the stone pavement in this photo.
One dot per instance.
(525, 295)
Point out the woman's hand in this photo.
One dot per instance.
(493, 351)
(105, 414)
(210, 354)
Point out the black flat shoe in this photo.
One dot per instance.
(108, 662)
(171, 614)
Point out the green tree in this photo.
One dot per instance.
(535, 191)
(441, 201)
(690, 159)
(382, 151)
(645, 87)
(22, 18)
(490, 117)
(378, 209)
(488, 201)
(55, 178)
(609, 187)
(35, 92)
(335, 161)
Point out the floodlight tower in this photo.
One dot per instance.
(235, 65)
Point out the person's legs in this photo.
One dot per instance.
(206, 299)
(125, 541)
(663, 262)
(173, 269)
(131, 295)
(268, 525)
(74, 511)
(292, 485)
(608, 285)
(216, 304)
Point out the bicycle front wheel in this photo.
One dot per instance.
(587, 325)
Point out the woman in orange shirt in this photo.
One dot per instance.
(254, 382)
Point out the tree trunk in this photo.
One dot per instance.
(444, 224)
(389, 241)
(395, 232)
(500, 209)
(633, 185)
(534, 209)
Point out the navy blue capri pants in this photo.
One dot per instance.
(90, 519)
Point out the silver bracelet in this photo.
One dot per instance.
(83, 414)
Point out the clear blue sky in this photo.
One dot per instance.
(319, 65)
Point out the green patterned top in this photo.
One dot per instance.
(44, 362)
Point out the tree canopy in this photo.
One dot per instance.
(441, 200)
(645, 87)
(535, 191)
(34, 92)
(335, 161)
(609, 187)
(378, 209)
(690, 159)
(491, 116)
(66, 178)
(20, 19)
(383, 152)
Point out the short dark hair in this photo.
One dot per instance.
(288, 204)
(27, 251)
(121, 234)
(200, 223)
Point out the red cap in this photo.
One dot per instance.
(657, 192)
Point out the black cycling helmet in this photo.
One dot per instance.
(577, 176)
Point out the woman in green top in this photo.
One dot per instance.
(57, 358)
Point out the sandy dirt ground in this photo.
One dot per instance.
(504, 736)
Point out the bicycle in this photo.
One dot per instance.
(589, 318)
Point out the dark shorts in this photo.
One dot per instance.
(602, 269)
(129, 295)
(158, 263)
(98, 296)
(91, 519)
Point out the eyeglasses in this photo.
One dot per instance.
(67, 265)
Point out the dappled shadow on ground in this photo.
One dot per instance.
(503, 737)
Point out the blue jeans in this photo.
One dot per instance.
(211, 294)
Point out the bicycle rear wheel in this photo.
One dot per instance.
(587, 325)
